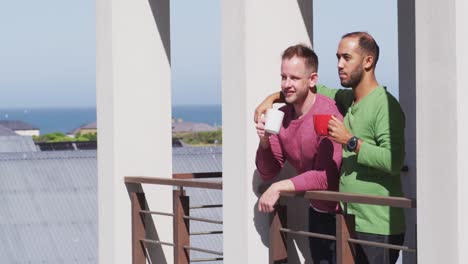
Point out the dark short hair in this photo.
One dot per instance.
(367, 43)
(302, 51)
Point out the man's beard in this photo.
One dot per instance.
(354, 79)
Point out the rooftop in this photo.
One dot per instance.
(179, 127)
(5, 131)
(16, 143)
(49, 207)
(92, 125)
(49, 203)
(17, 125)
(196, 159)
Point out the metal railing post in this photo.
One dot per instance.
(344, 230)
(138, 228)
(278, 251)
(181, 227)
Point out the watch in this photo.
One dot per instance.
(352, 143)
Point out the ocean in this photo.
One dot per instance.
(210, 114)
(64, 120)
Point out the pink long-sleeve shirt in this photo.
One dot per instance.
(316, 159)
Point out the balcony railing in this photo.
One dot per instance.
(344, 224)
(278, 230)
(180, 214)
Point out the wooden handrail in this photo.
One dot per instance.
(345, 223)
(195, 183)
(401, 202)
(181, 208)
(278, 230)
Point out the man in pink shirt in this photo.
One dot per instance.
(316, 159)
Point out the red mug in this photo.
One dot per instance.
(321, 124)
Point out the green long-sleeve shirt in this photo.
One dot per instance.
(379, 122)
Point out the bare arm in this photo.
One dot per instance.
(271, 195)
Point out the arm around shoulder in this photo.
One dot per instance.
(267, 103)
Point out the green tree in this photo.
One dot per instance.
(202, 138)
(86, 137)
(61, 137)
(52, 137)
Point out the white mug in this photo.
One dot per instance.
(274, 119)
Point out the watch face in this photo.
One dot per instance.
(352, 144)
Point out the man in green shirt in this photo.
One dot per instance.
(373, 135)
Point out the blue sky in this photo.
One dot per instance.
(196, 51)
(47, 55)
(334, 18)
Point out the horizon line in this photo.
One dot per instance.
(84, 106)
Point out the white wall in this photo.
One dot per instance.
(441, 66)
(461, 39)
(254, 34)
(27, 132)
(133, 94)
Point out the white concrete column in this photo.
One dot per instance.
(133, 117)
(461, 40)
(441, 67)
(407, 98)
(254, 34)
